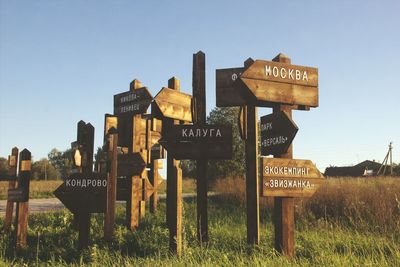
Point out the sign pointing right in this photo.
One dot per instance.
(277, 133)
(290, 178)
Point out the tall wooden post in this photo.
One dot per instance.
(23, 182)
(284, 206)
(199, 117)
(153, 178)
(109, 216)
(174, 188)
(86, 139)
(252, 178)
(134, 181)
(12, 171)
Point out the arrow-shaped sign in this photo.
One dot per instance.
(132, 102)
(277, 133)
(131, 164)
(274, 82)
(173, 104)
(196, 142)
(83, 193)
(290, 178)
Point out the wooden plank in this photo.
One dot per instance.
(282, 72)
(132, 102)
(277, 133)
(23, 183)
(199, 141)
(153, 179)
(290, 177)
(284, 206)
(110, 121)
(269, 93)
(252, 180)
(109, 216)
(136, 196)
(131, 164)
(174, 187)
(275, 83)
(174, 104)
(199, 96)
(12, 171)
(230, 90)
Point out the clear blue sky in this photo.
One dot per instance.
(62, 61)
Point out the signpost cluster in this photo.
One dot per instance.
(283, 87)
(19, 175)
(134, 142)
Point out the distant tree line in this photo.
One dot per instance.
(58, 164)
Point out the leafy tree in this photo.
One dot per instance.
(44, 170)
(236, 166)
(3, 166)
(222, 168)
(100, 156)
(62, 161)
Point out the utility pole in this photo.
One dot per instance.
(385, 161)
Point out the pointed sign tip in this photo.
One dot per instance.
(282, 58)
(135, 84)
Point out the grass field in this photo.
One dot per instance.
(45, 189)
(320, 241)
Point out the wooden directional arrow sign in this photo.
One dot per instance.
(290, 178)
(83, 193)
(131, 164)
(132, 102)
(123, 187)
(277, 133)
(196, 142)
(229, 88)
(273, 82)
(173, 104)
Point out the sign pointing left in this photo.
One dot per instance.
(83, 193)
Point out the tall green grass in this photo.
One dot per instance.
(52, 242)
(361, 204)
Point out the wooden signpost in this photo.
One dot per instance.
(284, 87)
(171, 106)
(290, 178)
(199, 141)
(111, 197)
(273, 82)
(249, 132)
(12, 171)
(83, 193)
(277, 133)
(18, 195)
(132, 102)
(81, 184)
